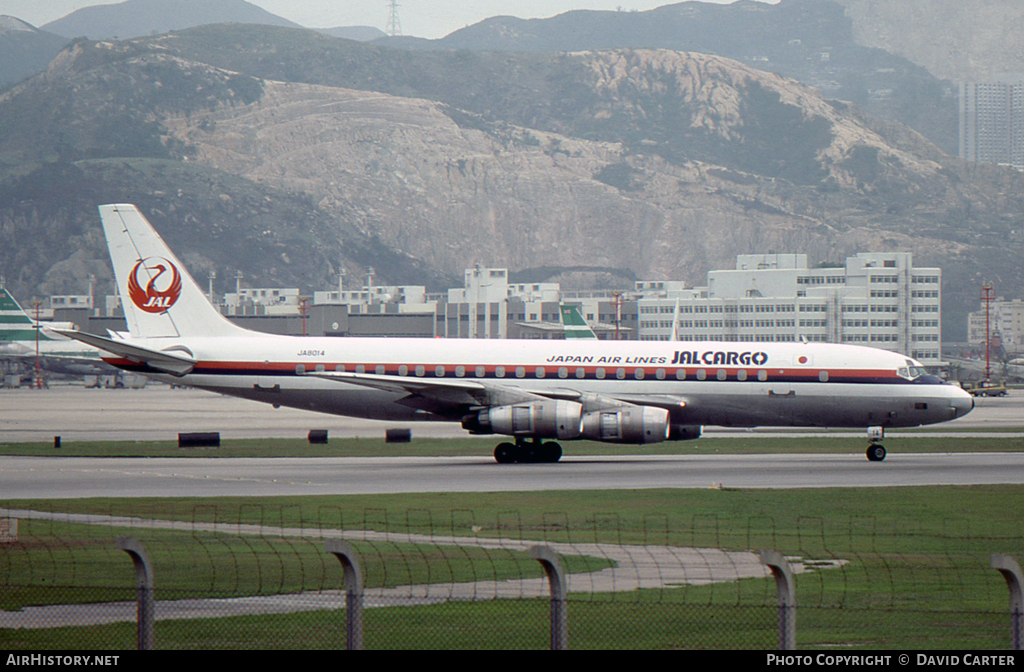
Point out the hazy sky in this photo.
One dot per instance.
(420, 18)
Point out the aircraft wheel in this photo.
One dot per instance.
(876, 452)
(550, 452)
(505, 453)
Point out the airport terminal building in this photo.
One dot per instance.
(876, 299)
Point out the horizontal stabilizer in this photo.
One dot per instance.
(175, 364)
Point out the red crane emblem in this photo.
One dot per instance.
(162, 289)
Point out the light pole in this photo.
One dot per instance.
(37, 375)
(987, 290)
(304, 309)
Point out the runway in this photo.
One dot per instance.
(76, 413)
(158, 412)
(38, 477)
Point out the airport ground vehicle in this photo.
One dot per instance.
(985, 388)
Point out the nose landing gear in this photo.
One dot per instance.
(876, 451)
(528, 452)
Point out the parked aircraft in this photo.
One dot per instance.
(18, 340)
(536, 392)
(573, 324)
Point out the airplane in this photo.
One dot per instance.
(57, 353)
(533, 392)
(573, 324)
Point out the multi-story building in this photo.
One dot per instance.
(1005, 320)
(489, 306)
(379, 299)
(610, 315)
(479, 309)
(875, 299)
(992, 120)
(264, 301)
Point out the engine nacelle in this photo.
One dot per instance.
(685, 432)
(542, 419)
(628, 424)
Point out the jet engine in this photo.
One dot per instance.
(549, 419)
(628, 424)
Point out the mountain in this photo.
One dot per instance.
(24, 49)
(286, 154)
(134, 18)
(962, 41)
(357, 33)
(809, 40)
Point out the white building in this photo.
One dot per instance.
(271, 300)
(479, 309)
(992, 120)
(400, 299)
(1005, 319)
(876, 299)
(59, 301)
(488, 306)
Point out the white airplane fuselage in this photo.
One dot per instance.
(833, 385)
(531, 390)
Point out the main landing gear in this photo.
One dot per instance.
(527, 452)
(876, 451)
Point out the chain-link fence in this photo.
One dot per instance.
(263, 578)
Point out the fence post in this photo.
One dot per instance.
(556, 579)
(144, 580)
(787, 597)
(353, 592)
(1010, 570)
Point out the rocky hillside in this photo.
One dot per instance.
(813, 41)
(285, 154)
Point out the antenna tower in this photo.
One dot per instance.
(394, 27)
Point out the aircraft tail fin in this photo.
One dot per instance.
(574, 325)
(15, 323)
(160, 298)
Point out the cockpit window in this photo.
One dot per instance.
(911, 372)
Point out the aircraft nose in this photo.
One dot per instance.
(962, 403)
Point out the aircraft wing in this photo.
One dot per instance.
(668, 402)
(447, 395)
(76, 365)
(436, 394)
(165, 362)
(14, 349)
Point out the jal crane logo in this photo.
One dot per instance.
(162, 284)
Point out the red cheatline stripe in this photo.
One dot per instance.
(649, 372)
